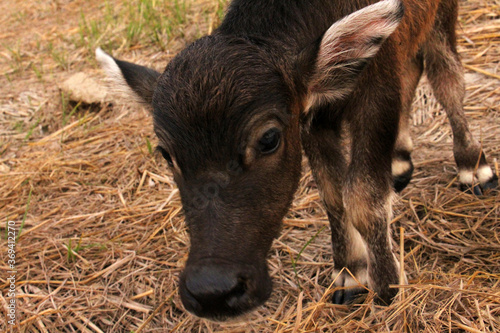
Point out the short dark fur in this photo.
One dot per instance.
(255, 71)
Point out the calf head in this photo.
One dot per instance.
(225, 127)
(227, 111)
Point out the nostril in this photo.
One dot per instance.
(240, 288)
(237, 293)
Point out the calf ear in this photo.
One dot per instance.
(138, 82)
(346, 47)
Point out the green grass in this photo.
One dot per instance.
(294, 261)
(7, 229)
(71, 113)
(64, 107)
(31, 129)
(19, 126)
(154, 22)
(4, 146)
(25, 215)
(59, 55)
(134, 23)
(221, 9)
(72, 252)
(38, 70)
(16, 55)
(150, 147)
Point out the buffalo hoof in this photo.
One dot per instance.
(479, 189)
(354, 295)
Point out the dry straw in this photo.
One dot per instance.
(104, 239)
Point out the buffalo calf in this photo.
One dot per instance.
(233, 111)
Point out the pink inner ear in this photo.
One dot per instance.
(352, 44)
(376, 25)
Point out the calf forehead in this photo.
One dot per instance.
(217, 73)
(210, 93)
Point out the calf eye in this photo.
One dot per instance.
(166, 156)
(270, 141)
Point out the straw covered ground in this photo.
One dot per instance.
(103, 238)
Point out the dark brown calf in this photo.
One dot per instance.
(232, 110)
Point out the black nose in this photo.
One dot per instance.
(221, 291)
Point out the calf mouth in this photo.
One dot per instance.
(220, 291)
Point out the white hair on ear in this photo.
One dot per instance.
(115, 76)
(377, 20)
(350, 41)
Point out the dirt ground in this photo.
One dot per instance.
(102, 236)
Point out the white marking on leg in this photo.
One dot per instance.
(346, 280)
(467, 177)
(484, 174)
(405, 279)
(357, 246)
(407, 142)
(404, 141)
(357, 252)
(399, 167)
(361, 277)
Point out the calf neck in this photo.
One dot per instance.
(233, 110)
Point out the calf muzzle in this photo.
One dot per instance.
(219, 291)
